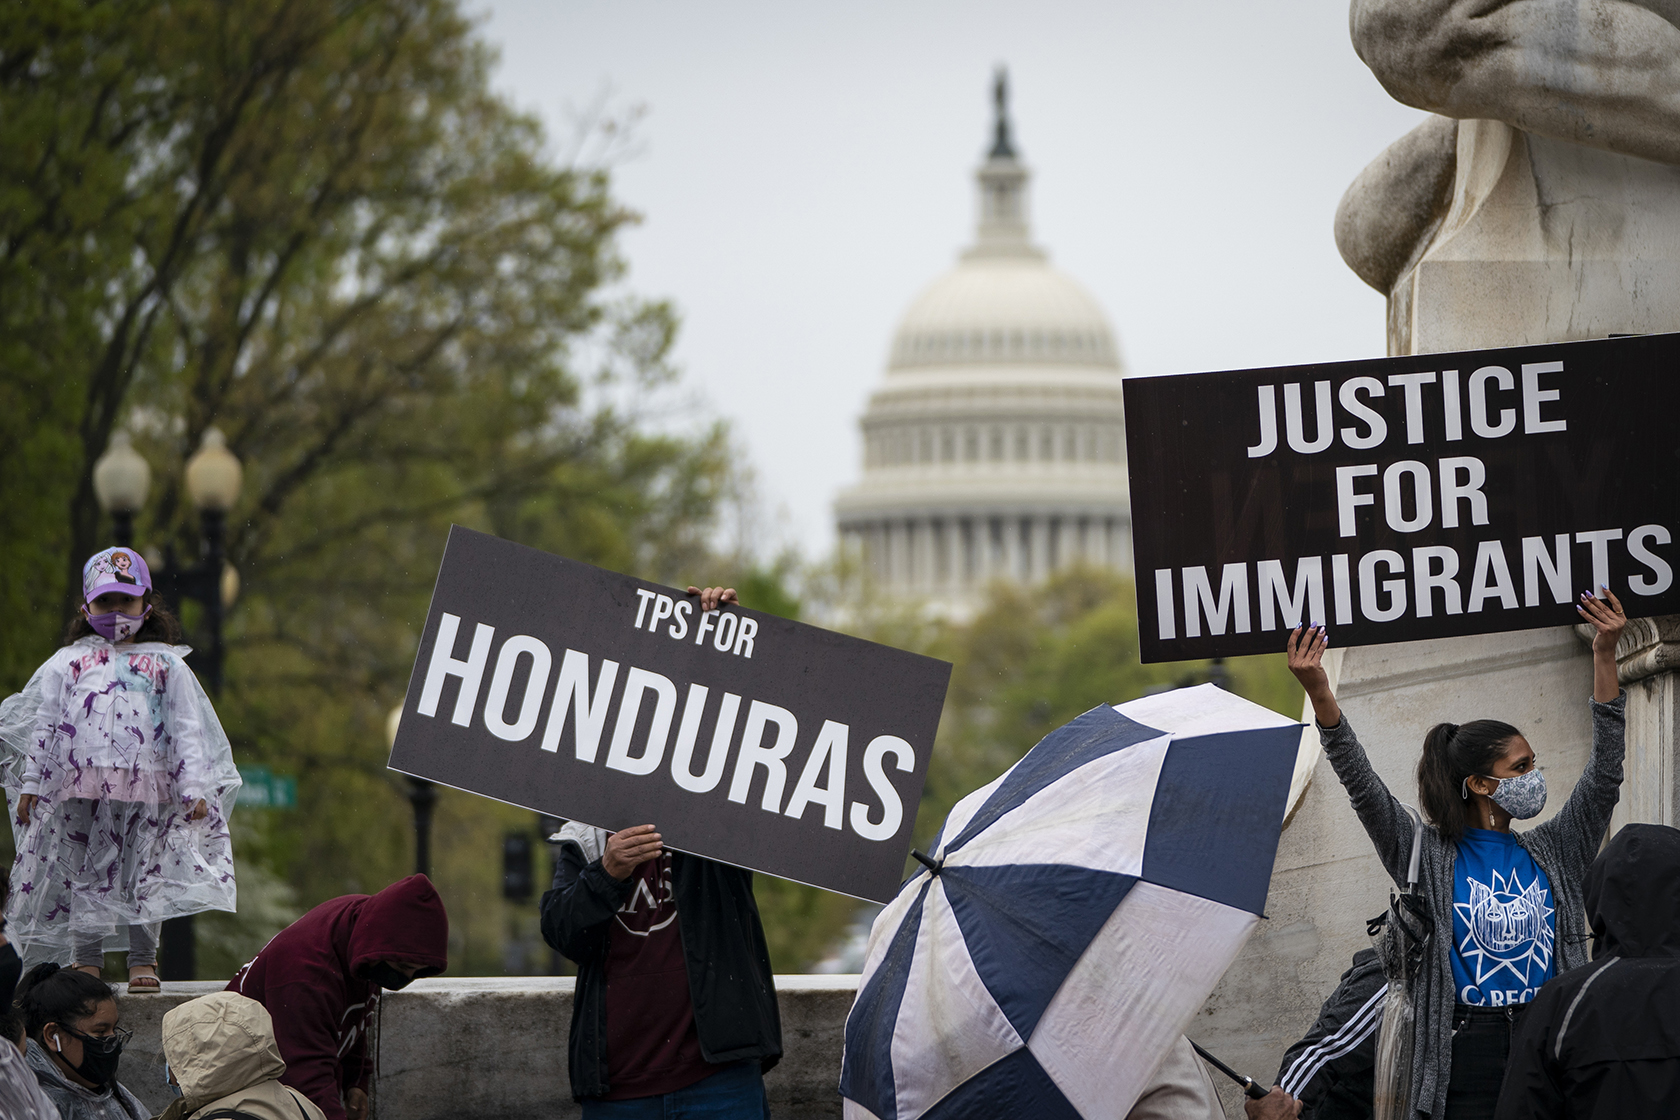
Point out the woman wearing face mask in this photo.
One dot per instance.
(120, 779)
(1507, 906)
(75, 1044)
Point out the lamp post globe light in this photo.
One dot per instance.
(214, 475)
(121, 479)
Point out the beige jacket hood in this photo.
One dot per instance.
(222, 1051)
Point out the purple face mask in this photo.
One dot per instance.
(116, 625)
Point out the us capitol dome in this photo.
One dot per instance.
(995, 446)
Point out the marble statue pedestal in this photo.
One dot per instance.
(1541, 241)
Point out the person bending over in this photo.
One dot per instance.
(1506, 906)
(320, 979)
(675, 1008)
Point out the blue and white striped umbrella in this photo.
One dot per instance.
(1083, 907)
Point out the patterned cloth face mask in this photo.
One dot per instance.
(116, 626)
(1522, 797)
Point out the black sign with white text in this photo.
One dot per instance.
(1405, 498)
(600, 698)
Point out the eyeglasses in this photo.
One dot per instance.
(100, 1043)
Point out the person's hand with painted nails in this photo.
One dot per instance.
(1607, 618)
(1306, 660)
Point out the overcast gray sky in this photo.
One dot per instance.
(805, 169)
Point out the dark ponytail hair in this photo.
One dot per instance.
(1452, 753)
(160, 626)
(50, 994)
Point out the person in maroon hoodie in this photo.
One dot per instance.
(320, 979)
(675, 1010)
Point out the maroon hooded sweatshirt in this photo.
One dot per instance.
(311, 977)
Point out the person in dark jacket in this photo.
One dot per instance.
(1330, 1069)
(320, 979)
(1603, 1040)
(674, 1006)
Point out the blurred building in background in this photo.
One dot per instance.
(995, 446)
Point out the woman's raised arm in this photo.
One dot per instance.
(1384, 818)
(1608, 619)
(1306, 660)
(1586, 815)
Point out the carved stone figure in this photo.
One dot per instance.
(1543, 201)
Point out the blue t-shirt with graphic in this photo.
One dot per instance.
(1504, 925)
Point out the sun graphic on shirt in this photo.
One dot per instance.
(1509, 927)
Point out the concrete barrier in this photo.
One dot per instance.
(494, 1048)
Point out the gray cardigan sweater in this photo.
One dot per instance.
(1564, 847)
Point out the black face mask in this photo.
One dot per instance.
(99, 1055)
(11, 971)
(387, 977)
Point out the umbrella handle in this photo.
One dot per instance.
(1251, 1087)
(1417, 848)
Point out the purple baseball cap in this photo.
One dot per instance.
(115, 569)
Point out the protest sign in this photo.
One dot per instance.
(596, 697)
(1403, 498)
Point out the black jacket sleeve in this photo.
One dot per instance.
(576, 910)
(1331, 1068)
(1532, 1090)
(736, 1014)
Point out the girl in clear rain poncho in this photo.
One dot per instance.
(121, 781)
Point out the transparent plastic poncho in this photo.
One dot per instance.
(118, 742)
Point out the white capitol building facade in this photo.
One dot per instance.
(995, 446)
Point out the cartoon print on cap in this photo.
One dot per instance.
(115, 569)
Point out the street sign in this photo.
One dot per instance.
(264, 789)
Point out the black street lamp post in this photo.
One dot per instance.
(203, 584)
(213, 477)
(422, 797)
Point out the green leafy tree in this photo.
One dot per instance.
(311, 225)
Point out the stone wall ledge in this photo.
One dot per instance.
(1649, 646)
(494, 1047)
